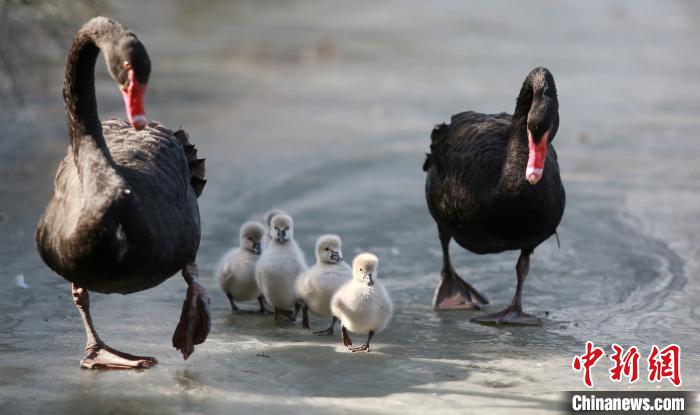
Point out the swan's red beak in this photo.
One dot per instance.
(133, 100)
(537, 157)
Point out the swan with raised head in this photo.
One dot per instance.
(493, 185)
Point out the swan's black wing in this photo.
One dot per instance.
(143, 225)
(448, 140)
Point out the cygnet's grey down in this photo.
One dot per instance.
(362, 304)
(236, 270)
(279, 267)
(316, 286)
(268, 220)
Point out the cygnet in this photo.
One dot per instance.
(316, 286)
(362, 304)
(236, 270)
(279, 267)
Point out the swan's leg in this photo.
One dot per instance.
(453, 293)
(513, 314)
(330, 330)
(346, 338)
(234, 307)
(305, 317)
(364, 347)
(97, 354)
(261, 301)
(195, 321)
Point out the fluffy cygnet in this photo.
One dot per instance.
(316, 286)
(279, 267)
(236, 270)
(362, 304)
(268, 226)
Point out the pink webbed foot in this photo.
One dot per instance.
(104, 357)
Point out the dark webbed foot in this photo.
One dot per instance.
(195, 320)
(454, 293)
(104, 357)
(284, 317)
(329, 331)
(513, 314)
(510, 315)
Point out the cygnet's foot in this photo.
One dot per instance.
(363, 348)
(104, 357)
(511, 315)
(453, 293)
(284, 317)
(263, 311)
(327, 332)
(195, 320)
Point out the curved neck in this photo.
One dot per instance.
(84, 124)
(517, 147)
(539, 90)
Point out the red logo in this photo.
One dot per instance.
(626, 364)
(665, 364)
(662, 364)
(586, 362)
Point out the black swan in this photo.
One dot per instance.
(493, 185)
(123, 216)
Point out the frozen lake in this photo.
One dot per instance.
(324, 109)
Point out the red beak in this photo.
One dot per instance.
(537, 157)
(133, 100)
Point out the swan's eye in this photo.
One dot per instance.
(327, 249)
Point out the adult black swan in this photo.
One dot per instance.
(123, 216)
(493, 185)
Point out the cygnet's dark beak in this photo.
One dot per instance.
(281, 235)
(335, 256)
(370, 281)
(257, 248)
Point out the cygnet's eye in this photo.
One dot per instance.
(327, 249)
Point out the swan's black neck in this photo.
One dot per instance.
(536, 108)
(79, 87)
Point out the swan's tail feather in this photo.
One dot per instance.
(437, 138)
(198, 169)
